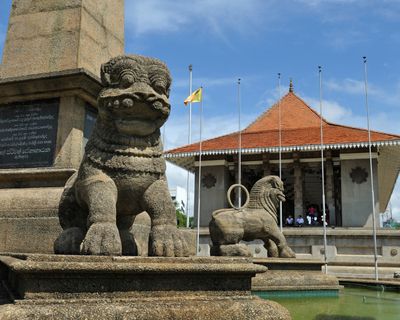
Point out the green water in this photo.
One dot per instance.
(352, 303)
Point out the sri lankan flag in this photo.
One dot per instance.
(194, 97)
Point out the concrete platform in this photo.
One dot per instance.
(89, 287)
(363, 271)
(393, 285)
(293, 275)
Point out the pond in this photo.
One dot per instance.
(352, 303)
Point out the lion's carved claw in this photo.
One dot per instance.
(167, 241)
(102, 239)
(286, 252)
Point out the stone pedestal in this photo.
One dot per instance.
(83, 287)
(294, 275)
(41, 150)
(48, 89)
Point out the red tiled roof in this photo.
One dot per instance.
(295, 114)
(300, 126)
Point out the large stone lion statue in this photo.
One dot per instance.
(256, 220)
(123, 172)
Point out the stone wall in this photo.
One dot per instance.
(344, 245)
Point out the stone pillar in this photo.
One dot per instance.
(266, 164)
(298, 185)
(329, 187)
(48, 91)
(50, 36)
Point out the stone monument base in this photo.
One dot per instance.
(294, 275)
(93, 287)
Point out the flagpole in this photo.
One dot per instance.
(322, 169)
(240, 148)
(189, 142)
(280, 150)
(371, 169)
(199, 179)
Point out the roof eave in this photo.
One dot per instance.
(173, 157)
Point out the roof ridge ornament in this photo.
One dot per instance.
(291, 85)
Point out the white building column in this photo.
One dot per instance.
(298, 185)
(329, 187)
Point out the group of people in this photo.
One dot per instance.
(313, 218)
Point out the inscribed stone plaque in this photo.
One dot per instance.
(28, 133)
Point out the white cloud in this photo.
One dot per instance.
(270, 97)
(166, 16)
(340, 39)
(331, 110)
(351, 86)
(357, 87)
(316, 3)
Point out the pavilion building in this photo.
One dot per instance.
(346, 162)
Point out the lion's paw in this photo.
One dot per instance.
(68, 241)
(286, 252)
(167, 241)
(102, 239)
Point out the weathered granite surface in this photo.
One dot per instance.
(123, 172)
(293, 275)
(49, 36)
(256, 220)
(87, 287)
(295, 280)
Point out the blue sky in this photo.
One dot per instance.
(256, 39)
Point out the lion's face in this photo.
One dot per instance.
(279, 190)
(277, 195)
(135, 98)
(270, 190)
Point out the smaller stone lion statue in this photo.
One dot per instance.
(257, 219)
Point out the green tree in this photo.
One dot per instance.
(180, 219)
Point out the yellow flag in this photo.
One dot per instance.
(194, 97)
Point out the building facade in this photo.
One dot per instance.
(346, 164)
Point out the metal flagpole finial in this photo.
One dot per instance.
(279, 75)
(365, 59)
(239, 80)
(319, 69)
(190, 67)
